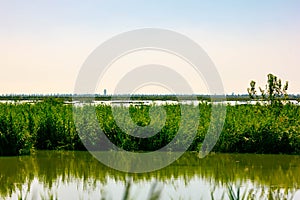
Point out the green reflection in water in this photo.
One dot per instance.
(274, 171)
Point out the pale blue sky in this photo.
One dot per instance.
(44, 43)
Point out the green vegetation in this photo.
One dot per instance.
(261, 129)
(274, 91)
(46, 125)
(50, 125)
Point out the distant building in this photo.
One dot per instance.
(104, 92)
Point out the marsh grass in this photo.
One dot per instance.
(49, 125)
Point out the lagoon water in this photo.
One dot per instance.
(78, 175)
(150, 102)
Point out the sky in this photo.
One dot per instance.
(43, 44)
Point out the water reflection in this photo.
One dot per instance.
(78, 175)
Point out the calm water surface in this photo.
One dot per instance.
(77, 175)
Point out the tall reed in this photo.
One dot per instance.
(50, 125)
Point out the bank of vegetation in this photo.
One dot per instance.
(49, 125)
(270, 127)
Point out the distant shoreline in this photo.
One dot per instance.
(163, 97)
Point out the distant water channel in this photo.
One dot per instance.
(148, 102)
(185, 102)
(78, 175)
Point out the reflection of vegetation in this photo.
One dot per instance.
(50, 125)
(154, 192)
(267, 194)
(219, 169)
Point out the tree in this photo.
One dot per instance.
(251, 90)
(274, 91)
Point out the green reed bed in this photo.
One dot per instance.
(261, 129)
(50, 125)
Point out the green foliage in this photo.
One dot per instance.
(251, 90)
(50, 125)
(274, 91)
(45, 125)
(261, 129)
(15, 138)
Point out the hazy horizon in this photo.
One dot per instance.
(43, 44)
